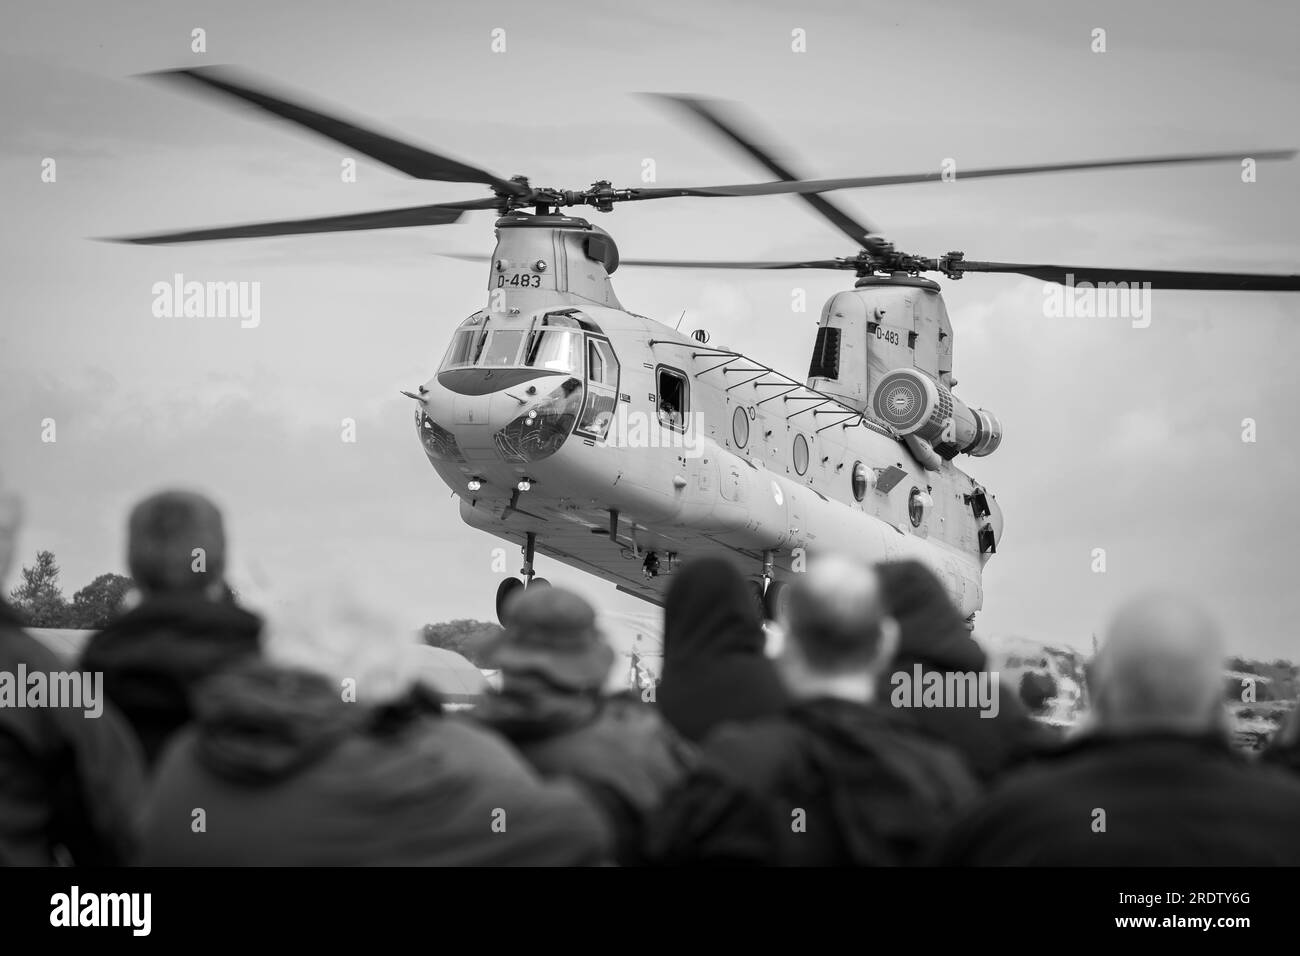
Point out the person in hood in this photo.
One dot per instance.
(71, 777)
(994, 734)
(554, 664)
(1153, 781)
(836, 779)
(1284, 749)
(330, 752)
(714, 668)
(186, 626)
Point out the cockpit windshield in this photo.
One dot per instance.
(502, 348)
(553, 344)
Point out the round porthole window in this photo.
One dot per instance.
(740, 427)
(917, 502)
(800, 454)
(860, 481)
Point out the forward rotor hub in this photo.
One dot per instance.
(879, 255)
(601, 195)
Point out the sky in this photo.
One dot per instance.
(1121, 438)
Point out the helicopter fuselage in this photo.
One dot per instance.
(625, 447)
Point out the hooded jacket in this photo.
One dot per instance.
(618, 747)
(714, 667)
(153, 656)
(288, 774)
(70, 784)
(1168, 799)
(828, 783)
(933, 634)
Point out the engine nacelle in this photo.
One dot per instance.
(915, 404)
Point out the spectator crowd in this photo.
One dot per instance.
(312, 739)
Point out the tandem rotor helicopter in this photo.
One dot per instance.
(615, 444)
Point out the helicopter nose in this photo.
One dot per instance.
(524, 421)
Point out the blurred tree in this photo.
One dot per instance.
(466, 637)
(39, 598)
(98, 602)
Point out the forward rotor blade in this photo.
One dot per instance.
(805, 187)
(739, 264)
(695, 263)
(1159, 278)
(404, 157)
(713, 113)
(435, 215)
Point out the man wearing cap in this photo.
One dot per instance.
(187, 625)
(554, 664)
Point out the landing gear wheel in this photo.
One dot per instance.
(756, 593)
(774, 600)
(505, 590)
(539, 583)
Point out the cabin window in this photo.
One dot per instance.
(800, 454)
(672, 399)
(602, 389)
(859, 480)
(740, 427)
(915, 507)
(826, 354)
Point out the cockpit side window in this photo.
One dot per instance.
(559, 350)
(465, 347)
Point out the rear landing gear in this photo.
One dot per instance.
(509, 586)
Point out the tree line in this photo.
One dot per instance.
(40, 601)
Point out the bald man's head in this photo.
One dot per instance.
(836, 620)
(1161, 667)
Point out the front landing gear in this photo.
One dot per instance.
(507, 588)
(505, 591)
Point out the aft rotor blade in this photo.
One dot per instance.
(436, 215)
(805, 187)
(714, 114)
(404, 157)
(1159, 278)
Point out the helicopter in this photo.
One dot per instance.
(621, 446)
